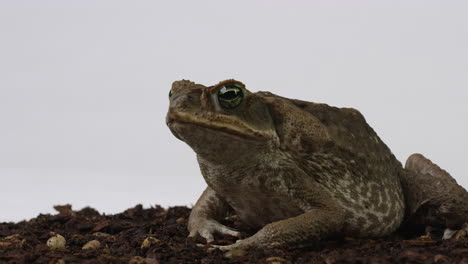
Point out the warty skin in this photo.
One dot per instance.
(300, 172)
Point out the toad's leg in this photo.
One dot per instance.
(420, 164)
(205, 216)
(433, 196)
(322, 219)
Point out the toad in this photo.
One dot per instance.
(300, 172)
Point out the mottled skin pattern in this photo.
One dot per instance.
(300, 172)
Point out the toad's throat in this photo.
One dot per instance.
(222, 123)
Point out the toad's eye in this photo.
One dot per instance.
(230, 96)
(170, 93)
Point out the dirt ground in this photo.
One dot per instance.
(158, 235)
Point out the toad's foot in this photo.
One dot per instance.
(237, 249)
(206, 228)
(236, 245)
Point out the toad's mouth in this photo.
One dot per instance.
(217, 122)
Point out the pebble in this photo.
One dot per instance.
(56, 242)
(93, 244)
(149, 241)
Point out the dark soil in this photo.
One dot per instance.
(122, 240)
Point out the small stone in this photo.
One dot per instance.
(149, 241)
(427, 236)
(93, 244)
(56, 242)
(180, 220)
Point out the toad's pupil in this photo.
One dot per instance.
(229, 94)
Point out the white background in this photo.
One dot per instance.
(84, 85)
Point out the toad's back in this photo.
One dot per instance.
(358, 170)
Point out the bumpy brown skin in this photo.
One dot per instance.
(433, 197)
(300, 172)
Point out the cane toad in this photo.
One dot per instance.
(299, 172)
